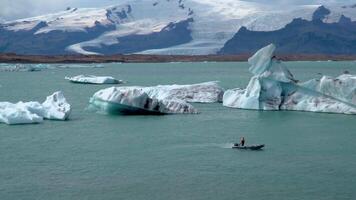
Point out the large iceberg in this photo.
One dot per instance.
(94, 79)
(55, 107)
(136, 101)
(273, 87)
(161, 99)
(208, 92)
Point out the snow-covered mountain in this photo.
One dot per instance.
(151, 26)
(321, 35)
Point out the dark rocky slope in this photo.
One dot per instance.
(300, 37)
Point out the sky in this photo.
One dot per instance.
(16, 9)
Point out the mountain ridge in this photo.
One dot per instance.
(140, 26)
(300, 37)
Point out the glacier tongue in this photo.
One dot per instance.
(273, 87)
(55, 107)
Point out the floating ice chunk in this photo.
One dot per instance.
(94, 79)
(55, 107)
(254, 96)
(17, 114)
(264, 64)
(136, 101)
(303, 99)
(342, 87)
(19, 68)
(208, 92)
(274, 88)
(261, 61)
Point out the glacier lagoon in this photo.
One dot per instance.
(95, 156)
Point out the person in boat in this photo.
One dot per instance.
(242, 141)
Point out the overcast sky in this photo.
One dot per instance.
(15, 9)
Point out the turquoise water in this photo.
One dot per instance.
(95, 156)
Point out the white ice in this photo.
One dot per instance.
(94, 79)
(208, 92)
(273, 87)
(215, 21)
(55, 107)
(136, 101)
(161, 98)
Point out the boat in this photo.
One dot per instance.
(248, 147)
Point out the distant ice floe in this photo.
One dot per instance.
(94, 79)
(273, 87)
(7, 67)
(162, 99)
(55, 107)
(19, 68)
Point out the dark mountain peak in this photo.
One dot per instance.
(296, 22)
(40, 25)
(242, 29)
(299, 37)
(320, 13)
(344, 20)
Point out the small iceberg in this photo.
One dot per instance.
(133, 101)
(273, 87)
(55, 107)
(94, 79)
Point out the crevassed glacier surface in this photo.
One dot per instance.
(136, 101)
(273, 87)
(55, 107)
(90, 79)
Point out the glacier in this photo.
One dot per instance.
(214, 22)
(135, 101)
(273, 87)
(90, 79)
(157, 99)
(55, 107)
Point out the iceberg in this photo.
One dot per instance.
(55, 107)
(116, 100)
(94, 79)
(273, 87)
(208, 92)
(19, 68)
(161, 99)
(342, 87)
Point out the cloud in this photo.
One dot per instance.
(303, 2)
